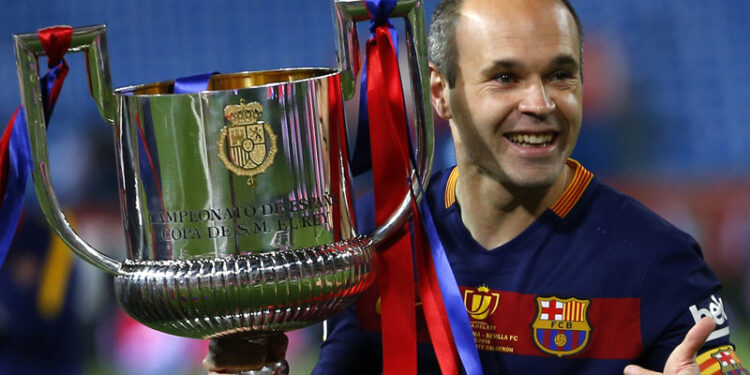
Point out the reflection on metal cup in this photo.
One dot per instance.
(237, 216)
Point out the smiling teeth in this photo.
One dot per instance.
(531, 139)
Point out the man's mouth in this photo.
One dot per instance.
(531, 140)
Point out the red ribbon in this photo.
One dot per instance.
(55, 42)
(394, 264)
(391, 171)
(432, 302)
(338, 154)
(5, 156)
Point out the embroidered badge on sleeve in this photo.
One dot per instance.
(719, 361)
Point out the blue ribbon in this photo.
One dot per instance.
(20, 161)
(47, 82)
(380, 10)
(192, 84)
(19, 158)
(454, 304)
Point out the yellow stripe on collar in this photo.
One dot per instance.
(450, 188)
(581, 179)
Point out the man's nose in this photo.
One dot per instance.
(536, 101)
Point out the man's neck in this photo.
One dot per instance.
(495, 214)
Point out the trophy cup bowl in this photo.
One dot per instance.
(236, 208)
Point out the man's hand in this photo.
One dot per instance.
(228, 355)
(682, 360)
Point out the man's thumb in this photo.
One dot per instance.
(694, 339)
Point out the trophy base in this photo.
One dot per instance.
(246, 296)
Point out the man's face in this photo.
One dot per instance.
(516, 105)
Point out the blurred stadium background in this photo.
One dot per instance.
(666, 105)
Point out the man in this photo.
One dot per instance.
(560, 273)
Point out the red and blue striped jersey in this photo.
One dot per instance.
(597, 282)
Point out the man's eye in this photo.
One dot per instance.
(505, 78)
(560, 75)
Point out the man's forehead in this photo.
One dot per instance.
(520, 18)
(517, 25)
(512, 8)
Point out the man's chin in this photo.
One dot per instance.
(535, 179)
(534, 184)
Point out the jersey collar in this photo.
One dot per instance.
(564, 204)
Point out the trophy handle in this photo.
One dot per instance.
(346, 14)
(91, 41)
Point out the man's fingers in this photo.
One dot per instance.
(638, 370)
(694, 340)
(230, 355)
(682, 359)
(277, 345)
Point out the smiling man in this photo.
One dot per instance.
(587, 280)
(560, 274)
(512, 92)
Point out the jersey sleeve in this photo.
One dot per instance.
(348, 349)
(719, 361)
(679, 290)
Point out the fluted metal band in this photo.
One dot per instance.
(245, 295)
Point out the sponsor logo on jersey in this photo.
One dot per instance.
(481, 302)
(713, 307)
(561, 327)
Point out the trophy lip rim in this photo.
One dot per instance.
(325, 72)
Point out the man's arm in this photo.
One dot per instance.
(348, 349)
(682, 361)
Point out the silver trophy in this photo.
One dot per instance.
(236, 210)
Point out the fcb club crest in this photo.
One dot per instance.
(247, 146)
(728, 362)
(481, 302)
(561, 327)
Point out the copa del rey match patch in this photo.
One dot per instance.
(561, 327)
(481, 302)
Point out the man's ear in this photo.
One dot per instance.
(439, 93)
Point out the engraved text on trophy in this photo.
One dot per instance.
(277, 218)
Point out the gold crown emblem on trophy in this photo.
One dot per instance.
(247, 147)
(243, 113)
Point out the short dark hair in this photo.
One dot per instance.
(441, 40)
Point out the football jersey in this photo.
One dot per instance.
(597, 282)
